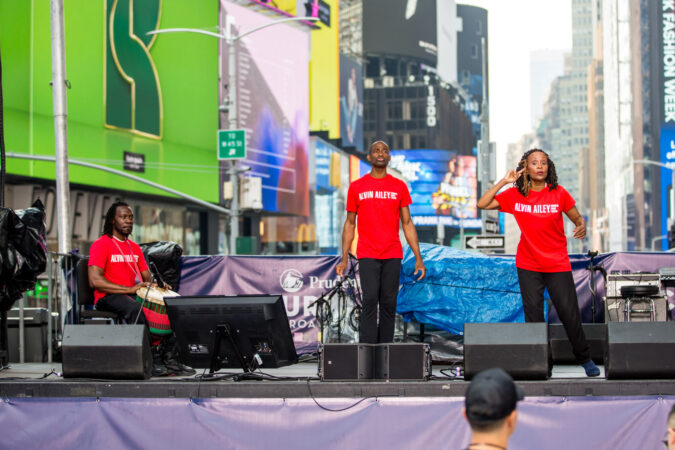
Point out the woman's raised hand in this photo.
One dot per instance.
(511, 176)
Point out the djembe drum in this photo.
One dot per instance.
(154, 308)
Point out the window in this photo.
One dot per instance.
(394, 110)
(474, 51)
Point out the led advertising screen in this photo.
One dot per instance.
(442, 186)
(351, 103)
(400, 27)
(273, 106)
(667, 158)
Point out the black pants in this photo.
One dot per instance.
(563, 294)
(124, 306)
(379, 284)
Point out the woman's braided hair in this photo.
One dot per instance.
(523, 182)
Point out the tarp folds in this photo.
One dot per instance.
(459, 287)
(23, 251)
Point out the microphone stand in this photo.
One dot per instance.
(329, 294)
(591, 281)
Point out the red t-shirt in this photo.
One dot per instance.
(119, 260)
(377, 203)
(543, 245)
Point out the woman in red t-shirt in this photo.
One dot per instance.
(537, 203)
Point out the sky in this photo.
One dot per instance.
(516, 28)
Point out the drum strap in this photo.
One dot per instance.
(133, 267)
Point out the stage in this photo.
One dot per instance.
(297, 410)
(300, 380)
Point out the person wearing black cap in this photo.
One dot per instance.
(490, 408)
(669, 438)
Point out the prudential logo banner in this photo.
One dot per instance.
(132, 92)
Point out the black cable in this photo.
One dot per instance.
(53, 372)
(309, 389)
(453, 367)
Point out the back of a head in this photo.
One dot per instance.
(490, 398)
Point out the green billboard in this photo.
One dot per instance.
(130, 92)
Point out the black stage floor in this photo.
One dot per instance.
(300, 380)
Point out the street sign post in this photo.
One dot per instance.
(231, 144)
(484, 242)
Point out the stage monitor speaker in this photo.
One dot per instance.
(640, 350)
(402, 361)
(561, 349)
(345, 362)
(521, 349)
(106, 351)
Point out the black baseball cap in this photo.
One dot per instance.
(491, 396)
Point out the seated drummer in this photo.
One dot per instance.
(117, 269)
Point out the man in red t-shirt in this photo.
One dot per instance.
(375, 204)
(117, 269)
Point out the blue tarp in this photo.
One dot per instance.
(459, 287)
(471, 287)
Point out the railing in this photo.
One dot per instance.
(55, 291)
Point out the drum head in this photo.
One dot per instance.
(155, 294)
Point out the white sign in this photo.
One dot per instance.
(484, 242)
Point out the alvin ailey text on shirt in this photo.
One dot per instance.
(536, 209)
(124, 258)
(378, 194)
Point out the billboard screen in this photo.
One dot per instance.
(400, 27)
(351, 103)
(667, 158)
(446, 32)
(442, 186)
(273, 107)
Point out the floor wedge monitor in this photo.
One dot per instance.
(118, 352)
(521, 349)
(640, 350)
(561, 349)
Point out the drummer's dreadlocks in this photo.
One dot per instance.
(110, 217)
(523, 183)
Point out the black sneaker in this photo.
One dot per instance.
(158, 367)
(169, 351)
(177, 368)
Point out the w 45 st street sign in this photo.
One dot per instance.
(231, 144)
(484, 242)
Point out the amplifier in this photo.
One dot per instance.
(667, 274)
(616, 281)
(35, 334)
